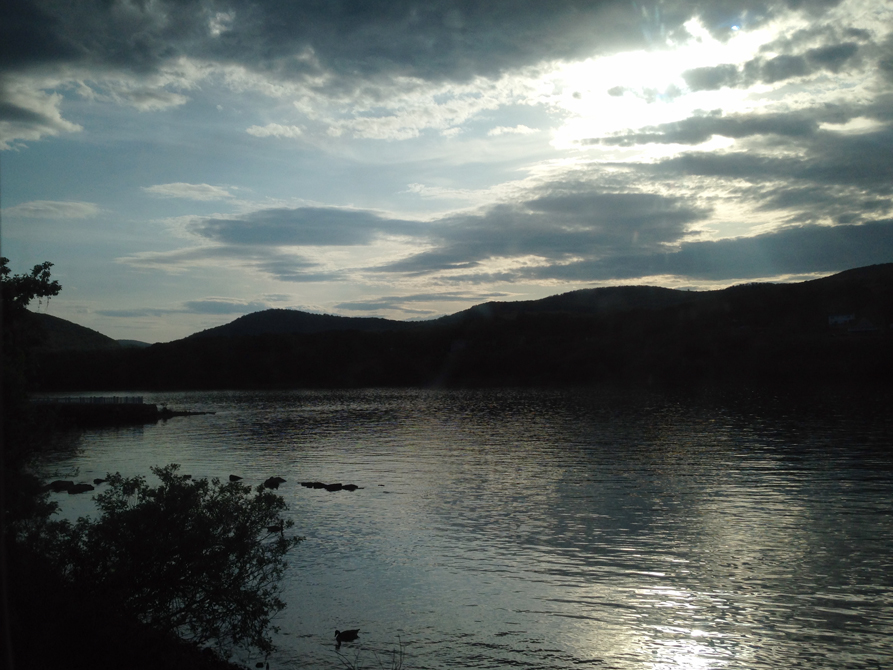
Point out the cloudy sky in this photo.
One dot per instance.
(185, 162)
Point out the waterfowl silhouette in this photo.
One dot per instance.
(273, 482)
(346, 635)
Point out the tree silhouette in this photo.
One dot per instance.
(191, 557)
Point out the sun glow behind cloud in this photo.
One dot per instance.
(610, 94)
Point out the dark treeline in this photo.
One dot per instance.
(757, 333)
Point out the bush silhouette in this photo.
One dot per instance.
(190, 556)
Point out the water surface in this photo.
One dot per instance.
(554, 529)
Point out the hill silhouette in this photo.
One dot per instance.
(832, 330)
(586, 301)
(61, 335)
(594, 301)
(287, 321)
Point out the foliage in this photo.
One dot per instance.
(197, 558)
(24, 435)
(19, 290)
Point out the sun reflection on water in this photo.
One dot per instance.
(500, 529)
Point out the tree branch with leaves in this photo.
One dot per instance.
(192, 557)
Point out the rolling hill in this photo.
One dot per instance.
(834, 330)
(288, 321)
(61, 335)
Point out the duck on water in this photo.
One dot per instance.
(346, 636)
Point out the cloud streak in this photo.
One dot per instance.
(399, 302)
(208, 306)
(305, 226)
(204, 192)
(554, 226)
(50, 209)
(800, 250)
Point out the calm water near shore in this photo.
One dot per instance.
(554, 529)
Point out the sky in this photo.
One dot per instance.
(182, 163)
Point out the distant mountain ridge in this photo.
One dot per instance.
(289, 321)
(833, 330)
(584, 301)
(831, 292)
(590, 301)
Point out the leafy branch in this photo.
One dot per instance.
(189, 556)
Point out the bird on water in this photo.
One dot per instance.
(346, 635)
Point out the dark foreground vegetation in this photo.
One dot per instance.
(833, 331)
(170, 576)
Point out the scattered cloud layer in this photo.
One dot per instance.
(402, 156)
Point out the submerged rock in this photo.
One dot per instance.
(331, 487)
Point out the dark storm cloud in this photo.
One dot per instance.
(556, 225)
(30, 35)
(791, 251)
(439, 39)
(305, 226)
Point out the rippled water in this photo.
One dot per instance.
(549, 529)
